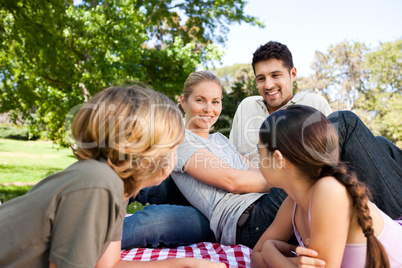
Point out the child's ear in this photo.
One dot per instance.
(278, 155)
(182, 102)
(280, 159)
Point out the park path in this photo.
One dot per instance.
(18, 183)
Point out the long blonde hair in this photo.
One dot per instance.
(133, 128)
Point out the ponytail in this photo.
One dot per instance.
(376, 255)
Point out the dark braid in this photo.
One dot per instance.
(309, 141)
(376, 255)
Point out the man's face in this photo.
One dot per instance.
(275, 83)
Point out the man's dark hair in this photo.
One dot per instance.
(273, 50)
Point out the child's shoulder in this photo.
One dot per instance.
(329, 186)
(328, 181)
(94, 171)
(329, 196)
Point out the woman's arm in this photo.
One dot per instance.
(111, 258)
(280, 229)
(331, 211)
(210, 169)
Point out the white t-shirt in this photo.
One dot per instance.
(222, 208)
(252, 111)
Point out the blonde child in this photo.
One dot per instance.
(126, 139)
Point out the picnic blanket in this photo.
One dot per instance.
(236, 256)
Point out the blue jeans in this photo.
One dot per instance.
(169, 221)
(165, 193)
(261, 216)
(165, 226)
(377, 162)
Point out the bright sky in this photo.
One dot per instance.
(310, 25)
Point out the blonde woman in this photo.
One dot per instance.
(126, 139)
(214, 177)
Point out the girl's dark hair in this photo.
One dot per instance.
(309, 141)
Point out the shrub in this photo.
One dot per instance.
(16, 133)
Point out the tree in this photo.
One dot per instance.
(382, 105)
(55, 55)
(227, 74)
(339, 74)
(367, 81)
(241, 86)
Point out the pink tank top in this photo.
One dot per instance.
(355, 254)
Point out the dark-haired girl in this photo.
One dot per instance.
(327, 208)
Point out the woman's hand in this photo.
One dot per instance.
(308, 258)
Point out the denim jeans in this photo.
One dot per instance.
(261, 217)
(165, 226)
(165, 193)
(377, 162)
(169, 221)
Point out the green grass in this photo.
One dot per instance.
(31, 161)
(24, 163)
(136, 206)
(12, 191)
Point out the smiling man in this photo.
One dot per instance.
(274, 72)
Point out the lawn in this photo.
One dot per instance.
(24, 163)
(31, 161)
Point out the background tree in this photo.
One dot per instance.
(55, 55)
(382, 105)
(338, 74)
(242, 85)
(368, 81)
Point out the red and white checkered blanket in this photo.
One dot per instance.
(237, 256)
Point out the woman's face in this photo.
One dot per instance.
(203, 106)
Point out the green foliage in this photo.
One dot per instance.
(367, 81)
(227, 74)
(17, 133)
(54, 55)
(243, 85)
(384, 66)
(339, 73)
